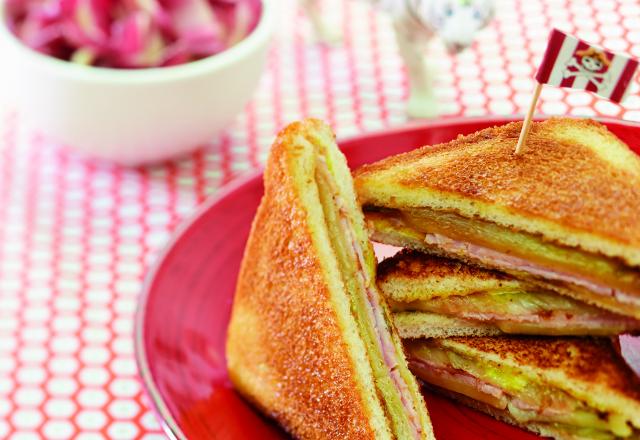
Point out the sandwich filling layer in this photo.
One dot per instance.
(521, 312)
(517, 252)
(366, 304)
(526, 398)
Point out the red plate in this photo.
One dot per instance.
(183, 313)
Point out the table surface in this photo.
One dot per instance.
(76, 236)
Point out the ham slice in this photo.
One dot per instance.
(459, 381)
(462, 382)
(374, 306)
(502, 260)
(376, 316)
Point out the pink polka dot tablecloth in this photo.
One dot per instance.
(77, 236)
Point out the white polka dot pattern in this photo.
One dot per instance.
(76, 236)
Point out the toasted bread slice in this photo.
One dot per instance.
(563, 387)
(416, 325)
(576, 184)
(431, 296)
(310, 340)
(410, 276)
(562, 214)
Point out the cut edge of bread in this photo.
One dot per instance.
(415, 325)
(302, 167)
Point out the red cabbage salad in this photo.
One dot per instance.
(131, 33)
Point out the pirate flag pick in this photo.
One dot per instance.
(570, 62)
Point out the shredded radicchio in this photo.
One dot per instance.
(132, 33)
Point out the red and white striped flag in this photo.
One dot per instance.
(570, 62)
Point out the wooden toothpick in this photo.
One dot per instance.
(526, 125)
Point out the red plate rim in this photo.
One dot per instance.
(163, 415)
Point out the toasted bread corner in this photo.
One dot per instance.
(576, 184)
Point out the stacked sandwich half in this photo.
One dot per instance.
(518, 271)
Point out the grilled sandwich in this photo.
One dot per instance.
(565, 388)
(432, 296)
(311, 341)
(564, 214)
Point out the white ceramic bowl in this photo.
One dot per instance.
(134, 116)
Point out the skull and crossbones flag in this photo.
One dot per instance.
(571, 62)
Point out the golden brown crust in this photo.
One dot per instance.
(556, 179)
(418, 325)
(593, 360)
(285, 348)
(411, 264)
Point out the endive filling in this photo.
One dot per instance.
(495, 245)
(508, 390)
(368, 309)
(518, 311)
